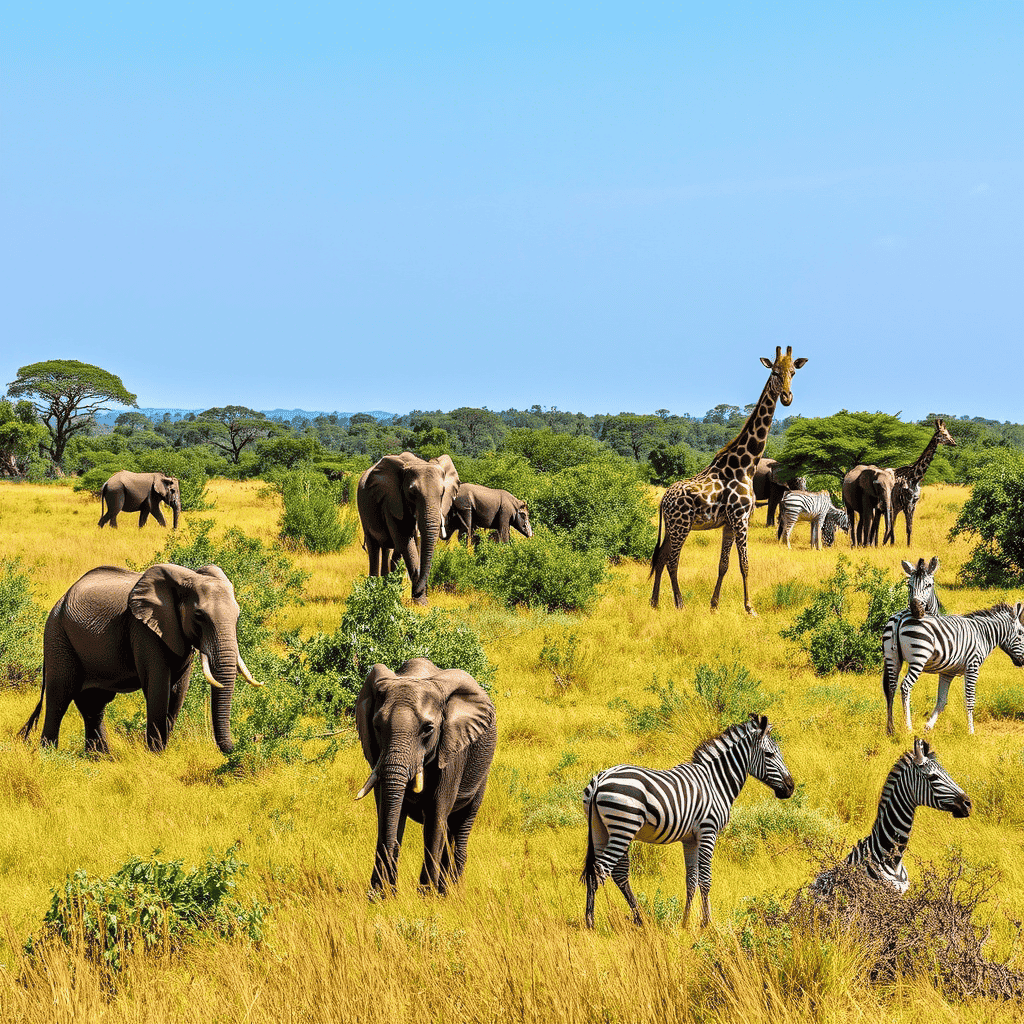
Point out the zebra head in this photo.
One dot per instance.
(1013, 645)
(766, 764)
(835, 519)
(932, 786)
(921, 585)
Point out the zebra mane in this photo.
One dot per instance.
(989, 613)
(714, 746)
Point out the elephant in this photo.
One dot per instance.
(142, 493)
(397, 496)
(116, 631)
(487, 508)
(428, 735)
(867, 490)
(768, 487)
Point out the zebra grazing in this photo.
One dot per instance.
(835, 520)
(920, 588)
(808, 506)
(689, 804)
(953, 645)
(916, 780)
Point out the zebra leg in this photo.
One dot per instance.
(620, 875)
(940, 700)
(691, 858)
(816, 533)
(706, 850)
(908, 684)
(970, 681)
(892, 662)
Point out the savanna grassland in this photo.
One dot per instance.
(509, 944)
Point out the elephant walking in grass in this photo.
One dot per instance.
(117, 631)
(867, 494)
(428, 735)
(397, 496)
(142, 493)
(487, 508)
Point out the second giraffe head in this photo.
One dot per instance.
(782, 373)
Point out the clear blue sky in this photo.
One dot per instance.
(600, 207)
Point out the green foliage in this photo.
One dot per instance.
(728, 692)
(790, 593)
(150, 905)
(560, 656)
(312, 516)
(672, 462)
(504, 471)
(21, 626)
(994, 514)
(377, 627)
(669, 708)
(188, 468)
(551, 452)
(825, 629)
(22, 439)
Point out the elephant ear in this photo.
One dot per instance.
(154, 602)
(385, 479)
(366, 704)
(468, 713)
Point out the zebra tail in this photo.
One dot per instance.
(657, 546)
(27, 728)
(589, 874)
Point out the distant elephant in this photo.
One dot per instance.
(139, 492)
(768, 487)
(397, 496)
(429, 736)
(117, 631)
(867, 490)
(486, 508)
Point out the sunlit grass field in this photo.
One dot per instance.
(509, 944)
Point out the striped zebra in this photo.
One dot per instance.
(835, 520)
(689, 804)
(954, 645)
(920, 588)
(805, 506)
(916, 780)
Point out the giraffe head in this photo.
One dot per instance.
(782, 373)
(945, 437)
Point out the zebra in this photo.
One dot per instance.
(916, 780)
(836, 519)
(953, 645)
(689, 804)
(806, 506)
(920, 588)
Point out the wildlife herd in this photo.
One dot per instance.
(429, 735)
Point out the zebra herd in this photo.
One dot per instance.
(691, 802)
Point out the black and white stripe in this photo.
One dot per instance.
(835, 520)
(807, 506)
(689, 804)
(916, 780)
(920, 588)
(954, 645)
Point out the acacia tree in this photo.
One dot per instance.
(67, 395)
(233, 428)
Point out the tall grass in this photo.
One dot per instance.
(509, 944)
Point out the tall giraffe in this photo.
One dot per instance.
(907, 491)
(722, 496)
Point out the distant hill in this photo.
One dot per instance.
(110, 418)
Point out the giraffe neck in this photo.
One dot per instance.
(748, 445)
(913, 474)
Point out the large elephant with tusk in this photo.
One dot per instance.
(429, 736)
(116, 631)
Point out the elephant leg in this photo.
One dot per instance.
(435, 837)
(92, 703)
(460, 824)
(157, 688)
(385, 868)
(62, 678)
(157, 514)
(115, 502)
(373, 551)
(620, 875)
(774, 498)
(144, 515)
(179, 690)
(908, 515)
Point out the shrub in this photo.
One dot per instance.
(994, 514)
(672, 462)
(560, 656)
(151, 905)
(21, 626)
(377, 627)
(825, 630)
(188, 468)
(312, 516)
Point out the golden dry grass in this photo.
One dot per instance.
(509, 944)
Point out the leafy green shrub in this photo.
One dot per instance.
(671, 704)
(672, 462)
(454, 569)
(1008, 703)
(825, 630)
(151, 905)
(21, 626)
(188, 468)
(377, 627)
(560, 656)
(311, 515)
(994, 513)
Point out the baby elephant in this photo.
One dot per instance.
(485, 508)
(429, 735)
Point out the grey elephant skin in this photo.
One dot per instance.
(768, 487)
(487, 508)
(398, 496)
(867, 494)
(142, 493)
(429, 736)
(117, 631)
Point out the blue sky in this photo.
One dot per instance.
(599, 207)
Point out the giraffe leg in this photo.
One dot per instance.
(723, 563)
(666, 556)
(741, 550)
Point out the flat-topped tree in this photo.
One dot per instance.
(233, 428)
(67, 395)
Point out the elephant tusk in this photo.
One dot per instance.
(417, 786)
(368, 785)
(246, 674)
(206, 672)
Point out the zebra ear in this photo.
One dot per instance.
(933, 565)
(908, 568)
(762, 724)
(1018, 611)
(926, 748)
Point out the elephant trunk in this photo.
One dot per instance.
(429, 521)
(223, 668)
(176, 511)
(392, 780)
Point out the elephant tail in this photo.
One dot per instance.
(26, 730)
(589, 874)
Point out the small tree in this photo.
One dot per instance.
(233, 428)
(21, 438)
(68, 394)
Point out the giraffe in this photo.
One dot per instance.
(907, 491)
(722, 496)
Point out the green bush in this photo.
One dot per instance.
(312, 516)
(825, 628)
(21, 626)
(149, 905)
(377, 627)
(188, 468)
